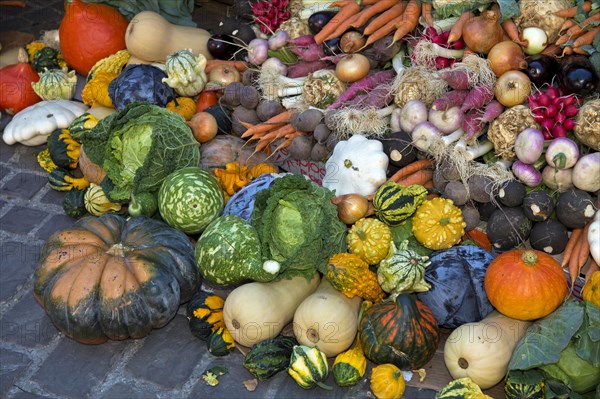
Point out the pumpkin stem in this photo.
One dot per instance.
(117, 250)
(312, 335)
(529, 258)
(462, 362)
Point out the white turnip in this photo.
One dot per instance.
(447, 121)
(586, 172)
(562, 153)
(413, 113)
(557, 179)
(529, 145)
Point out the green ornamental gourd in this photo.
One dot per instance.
(308, 367)
(403, 271)
(73, 203)
(205, 314)
(61, 180)
(220, 342)
(63, 149)
(46, 58)
(185, 72)
(394, 203)
(55, 84)
(97, 203)
(349, 366)
(82, 124)
(517, 390)
(462, 388)
(269, 357)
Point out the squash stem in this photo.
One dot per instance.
(324, 386)
(444, 221)
(529, 258)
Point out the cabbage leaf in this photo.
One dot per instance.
(139, 147)
(298, 226)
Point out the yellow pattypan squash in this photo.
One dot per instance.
(591, 289)
(438, 224)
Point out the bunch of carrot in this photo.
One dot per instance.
(416, 172)
(575, 35)
(577, 252)
(379, 19)
(278, 127)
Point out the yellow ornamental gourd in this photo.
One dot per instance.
(261, 169)
(95, 91)
(184, 106)
(591, 289)
(387, 382)
(438, 224)
(97, 203)
(350, 366)
(351, 275)
(370, 239)
(113, 64)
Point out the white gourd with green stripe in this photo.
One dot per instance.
(189, 199)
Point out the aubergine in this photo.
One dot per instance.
(577, 76)
(541, 68)
(318, 20)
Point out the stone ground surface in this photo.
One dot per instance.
(36, 360)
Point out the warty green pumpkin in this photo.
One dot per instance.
(269, 357)
(111, 278)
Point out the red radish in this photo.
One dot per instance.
(558, 131)
(477, 97)
(569, 124)
(570, 111)
(450, 99)
(552, 92)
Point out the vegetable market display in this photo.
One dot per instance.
(403, 169)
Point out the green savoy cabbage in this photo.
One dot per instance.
(298, 226)
(138, 147)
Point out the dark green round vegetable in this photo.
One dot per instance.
(222, 115)
(399, 149)
(73, 203)
(45, 58)
(508, 228)
(549, 236)
(471, 216)
(538, 205)
(318, 20)
(237, 28)
(457, 192)
(270, 356)
(486, 209)
(480, 188)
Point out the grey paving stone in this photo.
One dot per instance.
(12, 366)
(27, 324)
(24, 185)
(55, 223)
(53, 197)
(6, 151)
(5, 169)
(21, 220)
(2, 203)
(32, 395)
(128, 391)
(18, 261)
(65, 372)
(171, 348)
(27, 159)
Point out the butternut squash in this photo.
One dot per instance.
(255, 311)
(482, 350)
(150, 37)
(327, 319)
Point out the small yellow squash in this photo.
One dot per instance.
(591, 289)
(438, 224)
(387, 382)
(370, 239)
(350, 275)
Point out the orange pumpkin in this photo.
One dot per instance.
(15, 86)
(90, 32)
(525, 284)
(206, 99)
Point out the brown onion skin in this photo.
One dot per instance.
(352, 207)
(506, 56)
(352, 41)
(483, 32)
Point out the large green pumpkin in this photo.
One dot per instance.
(111, 278)
(400, 330)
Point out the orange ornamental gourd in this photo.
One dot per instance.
(525, 284)
(15, 86)
(90, 32)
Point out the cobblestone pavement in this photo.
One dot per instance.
(36, 360)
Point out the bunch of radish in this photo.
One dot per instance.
(555, 113)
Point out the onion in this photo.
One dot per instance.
(352, 41)
(352, 207)
(224, 74)
(483, 32)
(352, 67)
(505, 56)
(512, 88)
(536, 40)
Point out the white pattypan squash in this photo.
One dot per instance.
(185, 73)
(32, 125)
(357, 165)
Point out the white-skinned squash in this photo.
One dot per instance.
(150, 37)
(255, 311)
(482, 350)
(327, 319)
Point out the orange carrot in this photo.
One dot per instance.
(395, 11)
(273, 136)
(349, 9)
(510, 28)
(421, 177)
(282, 117)
(369, 12)
(586, 38)
(411, 168)
(552, 50)
(343, 27)
(578, 27)
(456, 30)
(567, 50)
(384, 30)
(580, 50)
(574, 261)
(13, 3)
(584, 250)
(568, 252)
(240, 66)
(411, 14)
(593, 267)
(426, 10)
(572, 11)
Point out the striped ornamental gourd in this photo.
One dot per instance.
(394, 203)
